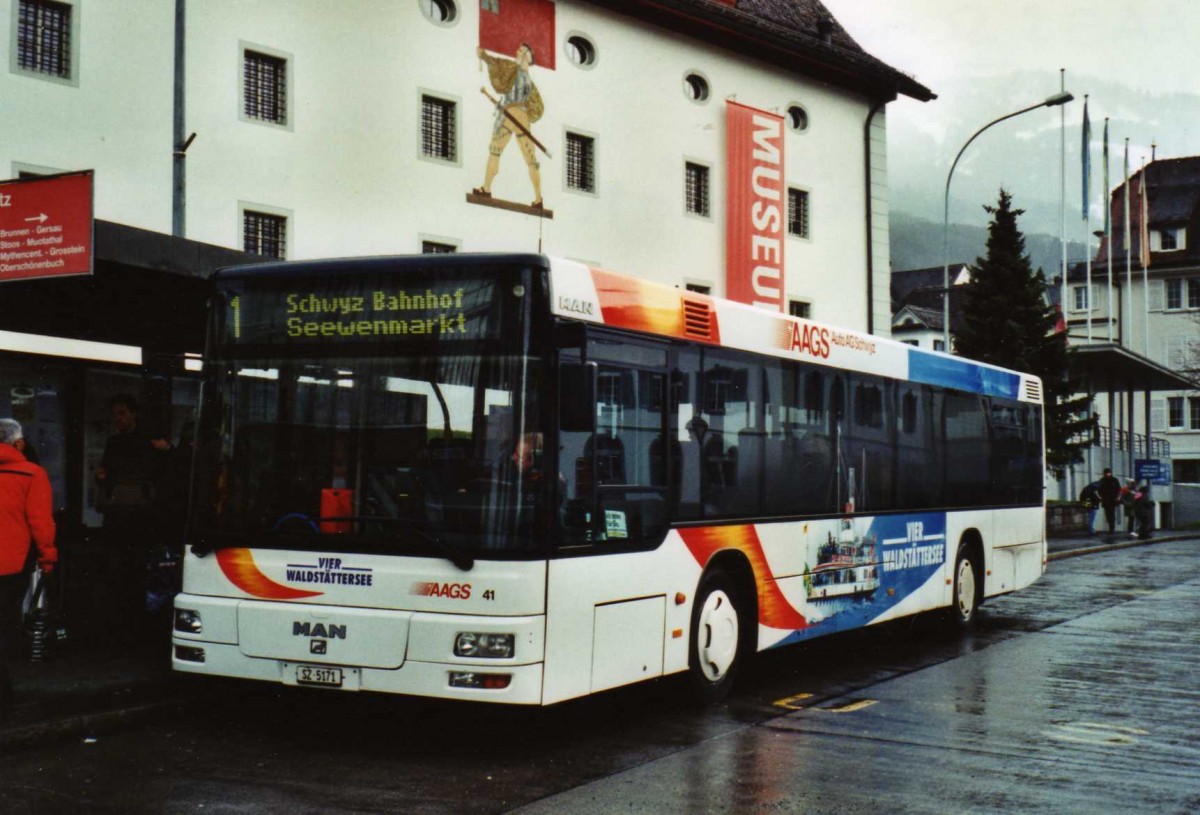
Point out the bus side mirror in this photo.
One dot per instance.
(577, 397)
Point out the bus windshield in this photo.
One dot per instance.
(377, 444)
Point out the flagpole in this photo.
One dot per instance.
(1062, 200)
(1145, 258)
(1108, 233)
(1127, 332)
(1086, 150)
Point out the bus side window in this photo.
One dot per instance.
(689, 431)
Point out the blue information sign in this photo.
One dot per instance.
(1152, 470)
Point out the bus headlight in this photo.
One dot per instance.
(188, 621)
(488, 646)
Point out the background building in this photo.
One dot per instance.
(222, 130)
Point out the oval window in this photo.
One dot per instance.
(581, 51)
(797, 118)
(442, 12)
(696, 87)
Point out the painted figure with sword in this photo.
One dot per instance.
(516, 111)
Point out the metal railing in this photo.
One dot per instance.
(1123, 440)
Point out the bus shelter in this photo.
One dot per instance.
(70, 344)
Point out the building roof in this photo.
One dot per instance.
(927, 318)
(919, 285)
(1173, 199)
(799, 34)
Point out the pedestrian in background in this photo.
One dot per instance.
(130, 477)
(1090, 498)
(1128, 498)
(26, 515)
(1143, 509)
(1110, 490)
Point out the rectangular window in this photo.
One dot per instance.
(1081, 298)
(439, 137)
(264, 234)
(264, 80)
(1194, 412)
(44, 38)
(581, 163)
(799, 308)
(1175, 293)
(1167, 240)
(699, 288)
(1193, 294)
(1175, 412)
(436, 248)
(798, 212)
(696, 189)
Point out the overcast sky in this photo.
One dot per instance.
(1144, 49)
(1150, 44)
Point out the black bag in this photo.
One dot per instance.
(43, 623)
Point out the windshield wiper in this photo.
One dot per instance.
(427, 533)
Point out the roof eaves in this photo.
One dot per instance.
(853, 67)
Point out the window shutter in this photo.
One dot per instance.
(1158, 297)
(1173, 352)
(1158, 414)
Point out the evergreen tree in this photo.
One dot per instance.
(1007, 322)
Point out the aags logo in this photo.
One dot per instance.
(455, 591)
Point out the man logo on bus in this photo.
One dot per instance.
(809, 339)
(330, 632)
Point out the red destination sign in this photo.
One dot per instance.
(46, 226)
(755, 207)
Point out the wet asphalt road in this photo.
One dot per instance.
(1081, 694)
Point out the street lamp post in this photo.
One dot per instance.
(1053, 101)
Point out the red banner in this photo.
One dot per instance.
(755, 207)
(505, 24)
(46, 226)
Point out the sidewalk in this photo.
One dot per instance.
(87, 688)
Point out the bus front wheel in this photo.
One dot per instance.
(964, 602)
(715, 649)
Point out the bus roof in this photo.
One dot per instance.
(377, 263)
(589, 294)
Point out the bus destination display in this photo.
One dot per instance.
(326, 312)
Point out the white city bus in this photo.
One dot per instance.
(523, 480)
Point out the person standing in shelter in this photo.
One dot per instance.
(1128, 499)
(1110, 490)
(129, 476)
(26, 515)
(1090, 498)
(516, 112)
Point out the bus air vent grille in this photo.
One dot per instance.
(1033, 390)
(697, 319)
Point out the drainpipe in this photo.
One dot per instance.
(179, 175)
(878, 106)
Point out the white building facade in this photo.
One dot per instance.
(362, 128)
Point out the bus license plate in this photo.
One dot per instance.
(318, 675)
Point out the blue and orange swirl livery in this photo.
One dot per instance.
(774, 610)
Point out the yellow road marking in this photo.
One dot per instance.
(850, 707)
(790, 702)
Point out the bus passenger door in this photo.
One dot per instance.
(607, 610)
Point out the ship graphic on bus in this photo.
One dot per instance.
(847, 566)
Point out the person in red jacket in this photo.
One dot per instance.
(26, 516)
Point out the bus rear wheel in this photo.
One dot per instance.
(715, 649)
(964, 601)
